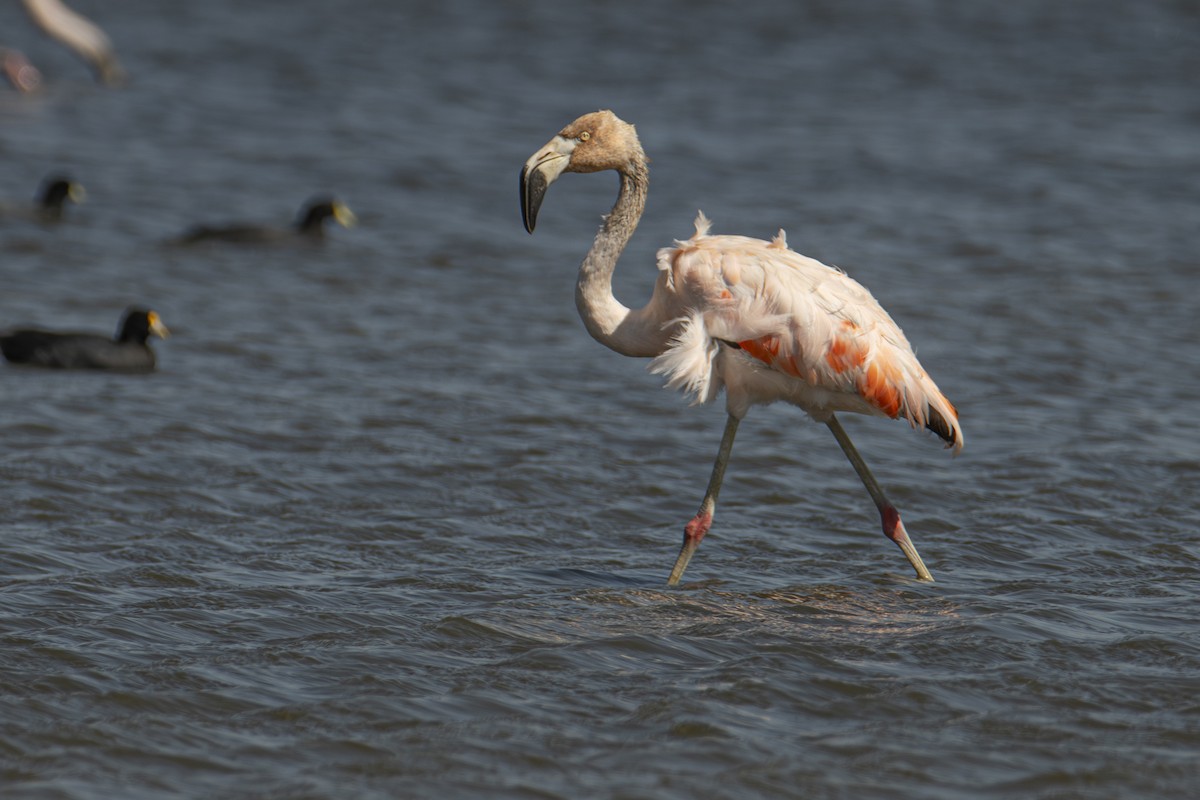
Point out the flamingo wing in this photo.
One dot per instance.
(821, 334)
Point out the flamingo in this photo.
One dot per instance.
(80, 34)
(750, 316)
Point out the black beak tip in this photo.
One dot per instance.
(530, 200)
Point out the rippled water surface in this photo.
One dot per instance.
(387, 523)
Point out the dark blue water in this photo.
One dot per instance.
(388, 523)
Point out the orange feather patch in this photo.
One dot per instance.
(877, 385)
(764, 349)
(845, 354)
(878, 381)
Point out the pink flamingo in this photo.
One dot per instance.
(753, 317)
(79, 34)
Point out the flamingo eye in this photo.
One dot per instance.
(583, 137)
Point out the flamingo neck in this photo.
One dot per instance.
(630, 333)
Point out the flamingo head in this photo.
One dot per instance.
(597, 141)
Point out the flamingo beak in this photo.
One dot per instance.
(541, 170)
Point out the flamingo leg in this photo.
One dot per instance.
(893, 528)
(694, 531)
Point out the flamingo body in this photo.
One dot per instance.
(768, 324)
(751, 317)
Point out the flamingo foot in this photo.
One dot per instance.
(693, 532)
(21, 74)
(893, 528)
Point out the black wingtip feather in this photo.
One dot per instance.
(937, 423)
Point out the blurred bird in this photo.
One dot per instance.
(22, 74)
(80, 35)
(49, 202)
(750, 316)
(128, 351)
(309, 226)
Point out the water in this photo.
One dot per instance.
(387, 523)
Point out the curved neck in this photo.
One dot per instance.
(631, 333)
